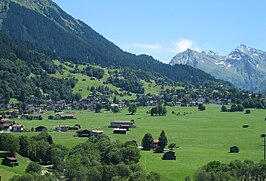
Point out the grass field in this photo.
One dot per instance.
(201, 136)
(7, 172)
(84, 81)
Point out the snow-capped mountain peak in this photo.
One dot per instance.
(213, 53)
(243, 48)
(245, 67)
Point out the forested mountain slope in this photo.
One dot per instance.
(49, 28)
(24, 72)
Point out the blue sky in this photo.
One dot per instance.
(164, 28)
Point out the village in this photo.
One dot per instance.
(62, 118)
(167, 97)
(35, 112)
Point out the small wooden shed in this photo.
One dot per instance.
(234, 149)
(245, 126)
(10, 161)
(40, 129)
(83, 133)
(119, 131)
(247, 111)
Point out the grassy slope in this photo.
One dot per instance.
(8, 172)
(202, 136)
(81, 86)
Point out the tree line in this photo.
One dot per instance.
(235, 170)
(158, 111)
(25, 74)
(97, 159)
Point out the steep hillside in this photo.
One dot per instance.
(144, 83)
(24, 74)
(245, 67)
(31, 76)
(8, 172)
(49, 28)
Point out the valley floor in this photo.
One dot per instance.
(202, 136)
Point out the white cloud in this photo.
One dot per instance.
(154, 47)
(163, 52)
(183, 44)
(176, 47)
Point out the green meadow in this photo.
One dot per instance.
(84, 81)
(201, 137)
(8, 172)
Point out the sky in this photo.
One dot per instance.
(163, 28)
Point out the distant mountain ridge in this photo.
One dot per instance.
(244, 67)
(48, 28)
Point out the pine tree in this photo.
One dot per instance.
(147, 141)
(50, 139)
(98, 108)
(162, 140)
(132, 108)
(201, 107)
(164, 111)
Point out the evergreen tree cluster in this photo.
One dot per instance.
(234, 108)
(235, 170)
(130, 84)
(93, 72)
(25, 74)
(148, 142)
(158, 110)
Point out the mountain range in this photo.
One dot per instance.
(244, 67)
(48, 28)
(44, 25)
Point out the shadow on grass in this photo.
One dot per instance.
(3, 154)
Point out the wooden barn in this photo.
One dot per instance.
(63, 116)
(120, 124)
(10, 161)
(155, 143)
(17, 128)
(40, 129)
(119, 131)
(96, 132)
(83, 133)
(62, 128)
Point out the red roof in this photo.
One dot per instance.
(11, 158)
(97, 131)
(156, 141)
(5, 119)
(6, 124)
(17, 125)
